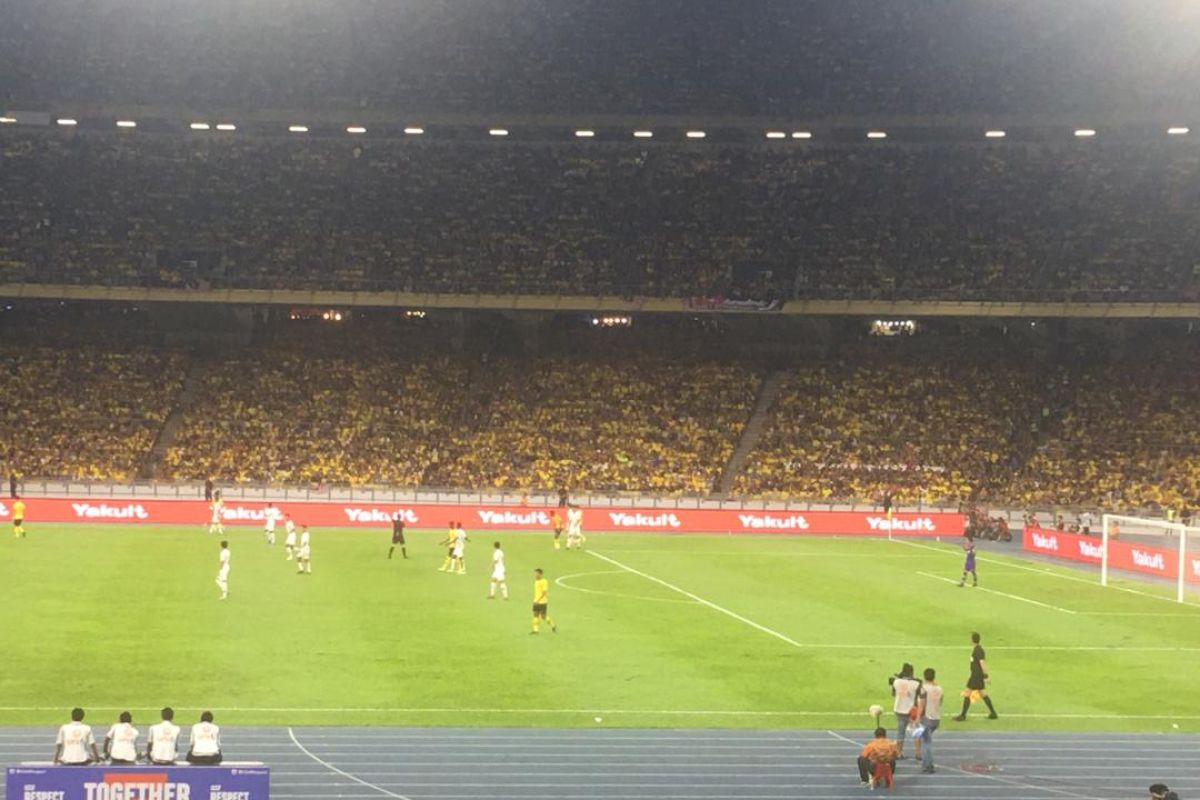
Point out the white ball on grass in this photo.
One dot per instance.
(875, 710)
(601, 719)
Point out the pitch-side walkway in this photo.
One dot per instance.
(639, 764)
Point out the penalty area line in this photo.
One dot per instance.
(697, 598)
(342, 772)
(996, 592)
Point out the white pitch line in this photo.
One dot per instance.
(561, 582)
(343, 773)
(996, 592)
(1051, 574)
(698, 599)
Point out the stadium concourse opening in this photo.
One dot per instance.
(599, 399)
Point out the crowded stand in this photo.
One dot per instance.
(1079, 220)
(303, 408)
(639, 424)
(1127, 438)
(603, 56)
(917, 430)
(85, 401)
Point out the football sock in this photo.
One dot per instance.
(403, 552)
(390, 551)
(966, 706)
(504, 590)
(988, 701)
(536, 623)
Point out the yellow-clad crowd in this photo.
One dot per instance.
(85, 413)
(634, 424)
(932, 433)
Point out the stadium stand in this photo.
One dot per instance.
(1089, 221)
(309, 407)
(85, 401)
(605, 56)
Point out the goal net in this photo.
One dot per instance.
(1166, 549)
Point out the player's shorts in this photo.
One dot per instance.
(450, 553)
(539, 609)
(976, 682)
(456, 552)
(557, 532)
(397, 538)
(223, 575)
(18, 522)
(498, 575)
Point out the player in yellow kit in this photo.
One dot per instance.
(541, 602)
(19, 519)
(448, 543)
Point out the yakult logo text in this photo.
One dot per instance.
(884, 524)
(235, 513)
(526, 518)
(757, 522)
(1091, 549)
(639, 520)
(376, 515)
(1150, 560)
(105, 511)
(1043, 542)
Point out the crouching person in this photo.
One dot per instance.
(205, 745)
(877, 761)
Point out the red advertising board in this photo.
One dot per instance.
(495, 517)
(1132, 556)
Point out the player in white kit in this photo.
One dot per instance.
(271, 516)
(217, 523)
(75, 745)
(304, 556)
(205, 744)
(575, 537)
(498, 574)
(458, 555)
(223, 570)
(289, 541)
(163, 738)
(120, 745)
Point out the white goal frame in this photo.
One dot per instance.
(1169, 528)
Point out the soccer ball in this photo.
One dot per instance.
(875, 711)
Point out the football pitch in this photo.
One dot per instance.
(653, 631)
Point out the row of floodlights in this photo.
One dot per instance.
(1082, 133)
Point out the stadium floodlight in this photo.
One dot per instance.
(643, 134)
(1084, 133)
(1148, 545)
(226, 126)
(1178, 131)
(696, 134)
(776, 135)
(876, 134)
(801, 134)
(126, 123)
(67, 122)
(584, 134)
(498, 132)
(199, 126)
(414, 131)
(297, 128)
(995, 134)
(7, 120)
(356, 129)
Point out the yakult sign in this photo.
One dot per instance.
(437, 516)
(1159, 561)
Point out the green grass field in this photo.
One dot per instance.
(776, 633)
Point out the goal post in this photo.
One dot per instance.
(1157, 537)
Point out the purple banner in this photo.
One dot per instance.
(227, 782)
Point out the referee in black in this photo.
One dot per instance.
(977, 682)
(398, 535)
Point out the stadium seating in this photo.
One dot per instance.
(83, 406)
(637, 424)
(1082, 221)
(602, 56)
